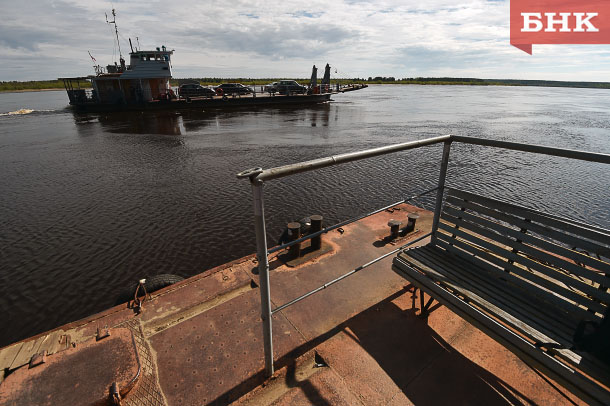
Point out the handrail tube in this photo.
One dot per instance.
(350, 273)
(263, 274)
(537, 149)
(346, 222)
(286, 170)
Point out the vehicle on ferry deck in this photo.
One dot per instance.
(227, 89)
(195, 90)
(290, 86)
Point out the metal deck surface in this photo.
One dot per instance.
(77, 376)
(201, 339)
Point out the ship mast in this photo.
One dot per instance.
(116, 32)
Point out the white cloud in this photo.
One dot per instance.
(42, 39)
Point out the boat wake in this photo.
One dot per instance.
(22, 112)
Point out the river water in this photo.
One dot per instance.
(92, 202)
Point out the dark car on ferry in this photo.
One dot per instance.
(227, 89)
(289, 86)
(195, 90)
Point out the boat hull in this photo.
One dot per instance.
(207, 103)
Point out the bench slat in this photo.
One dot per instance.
(540, 290)
(472, 223)
(543, 269)
(571, 240)
(531, 227)
(547, 296)
(472, 295)
(569, 226)
(485, 259)
(558, 328)
(453, 215)
(509, 287)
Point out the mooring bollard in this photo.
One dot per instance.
(316, 225)
(295, 233)
(412, 219)
(394, 228)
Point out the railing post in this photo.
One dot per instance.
(263, 272)
(441, 187)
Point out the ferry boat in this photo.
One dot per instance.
(144, 84)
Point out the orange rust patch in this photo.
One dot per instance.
(77, 376)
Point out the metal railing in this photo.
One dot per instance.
(258, 176)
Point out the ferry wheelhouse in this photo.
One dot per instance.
(145, 79)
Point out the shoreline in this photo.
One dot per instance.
(32, 90)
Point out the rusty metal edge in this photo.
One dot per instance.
(118, 308)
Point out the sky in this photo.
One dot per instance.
(261, 39)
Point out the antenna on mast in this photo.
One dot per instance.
(116, 31)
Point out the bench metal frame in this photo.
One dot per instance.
(516, 274)
(258, 177)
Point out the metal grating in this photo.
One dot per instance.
(147, 392)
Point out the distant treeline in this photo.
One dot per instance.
(58, 84)
(484, 82)
(31, 85)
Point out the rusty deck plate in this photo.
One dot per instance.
(360, 243)
(208, 356)
(77, 376)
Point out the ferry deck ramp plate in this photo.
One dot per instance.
(86, 374)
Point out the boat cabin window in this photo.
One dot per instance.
(154, 57)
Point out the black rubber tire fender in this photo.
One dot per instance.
(152, 284)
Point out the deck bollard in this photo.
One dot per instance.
(394, 228)
(295, 233)
(316, 225)
(412, 219)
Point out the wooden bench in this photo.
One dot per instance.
(529, 280)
